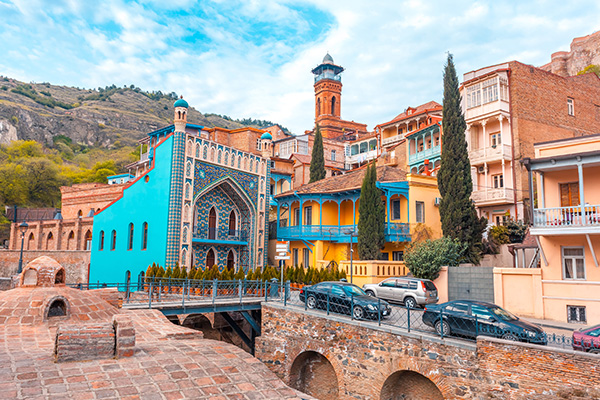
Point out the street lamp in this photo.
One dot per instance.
(23, 228)
(352, 233)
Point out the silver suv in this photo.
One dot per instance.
(408, 290)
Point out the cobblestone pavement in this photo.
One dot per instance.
(170, 362)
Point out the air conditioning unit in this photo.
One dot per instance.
(437, 201)
(481, 170)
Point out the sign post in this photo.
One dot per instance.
(282, 248)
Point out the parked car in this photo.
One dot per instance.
(344, 298)
(587, 339)
(472, 318)
(407, 290)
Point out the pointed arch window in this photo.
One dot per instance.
(232, 223)
(333, 105)
(197, 150)
(50, 241)
(188, 169)
(71, 241)
(210, 258)
(212, 223)
(185, 234)
(101, 241)
(230, 260)
(30, 241)
(130, 238)
(113, 240)
(318, 106)
(145, 236)
(88, 240)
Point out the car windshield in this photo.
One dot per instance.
(503, 314)
(352, 290)
(594, 333)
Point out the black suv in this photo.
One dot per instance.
(472, 318)
(344, 298)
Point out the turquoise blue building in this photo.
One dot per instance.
(196, 202)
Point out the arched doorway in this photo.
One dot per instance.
(409, 385)
(212, 224)
(230, 261)
(210, 258)
(313, 374)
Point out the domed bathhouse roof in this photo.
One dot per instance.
(266, 136)
(181, 103)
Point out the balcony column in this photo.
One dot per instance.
(485, 139)
(278, 215)
(389, 216)
(485, 178)
(416, 145)
(543, 196)
(321, 214)
(339, 214)
(581, 191)
(500, 119)
(503, 177)
(354, 215)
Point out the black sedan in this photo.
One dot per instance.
(344, 298)
(472, 318)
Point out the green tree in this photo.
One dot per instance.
(42, 181)
(592, 68)
(13, 190)
(371, 222)
(457, 212)
(317, 160)
(426, 259)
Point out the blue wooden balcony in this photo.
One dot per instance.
(394, 232)
(421, 156)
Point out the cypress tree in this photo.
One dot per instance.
(371, 221)
(457, 212)
(317, 161)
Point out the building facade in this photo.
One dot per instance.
(199, 203)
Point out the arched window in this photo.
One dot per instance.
(184, 258)
(50, 242)
(79, 214)
(187, 190)
(210, 258)
(113, 240)
(333, 105)
(230, 260)
(71, 241)
(101, 241)
(88, 240)
(185, 234)
(212, 224)
(205, 152)
(130, 238)
(239, 160)
(226, 160)
(232, 223)
(188, 169)
(186, 212)
(219, 155)
(318, 106)
(145, 236)
(197, 150)
(30, 241)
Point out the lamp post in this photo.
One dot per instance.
(352, 233)
(23, 228)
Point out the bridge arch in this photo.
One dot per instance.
(312, 373)
(409, 385)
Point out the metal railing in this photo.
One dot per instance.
(220, 234)
(423, 154)
(588, 215)
(339, 232)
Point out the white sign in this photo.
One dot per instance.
(282, 253)
(282, 257)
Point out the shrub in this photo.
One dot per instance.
(499, 234)
(426, 259)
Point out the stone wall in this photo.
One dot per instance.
(584, 51)
(370, 361)
(76, 263)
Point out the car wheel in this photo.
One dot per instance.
(442, 324)
(358, 312)
(410, 302)
(510, 336)
(370, 293)
(311, 302)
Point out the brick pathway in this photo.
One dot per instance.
(170, 362)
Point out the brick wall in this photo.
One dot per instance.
(368, 363)
(87, 196)
(76, 263)
(54, 234)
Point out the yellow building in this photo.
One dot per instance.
(563, 283)
(320, 220)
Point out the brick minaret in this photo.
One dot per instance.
(328, 90)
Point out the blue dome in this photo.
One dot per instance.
(181, 103)
(266, 136)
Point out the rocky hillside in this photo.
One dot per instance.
(110, 117)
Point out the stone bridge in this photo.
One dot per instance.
(331, 357)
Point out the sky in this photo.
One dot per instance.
(253, 58)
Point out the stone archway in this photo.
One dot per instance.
(201, 323)
(409, 385)
(313, 374)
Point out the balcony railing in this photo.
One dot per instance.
(398, 232)
(234, 235)
(588, 215)
(366, 156)
(392, 139)
(424, 154)
(499, 195)
(492, 153)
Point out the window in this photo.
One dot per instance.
(498, 181)
(474, 96)
(384, 257)
(297, 216)
(495, 139)
(308, 215)
(576, 314)
(130, 239)
(232, 223)
(420, 209)
(396, 209)
(389, 283)
(258, 144)
(569, 194)
(305, 258)
(571, 106)
(101, 243)
(460, 308)
(353, 149)
(333, 105)
(398, 256)
(332, 155)
(490, 90)
(113, 241)
(573, 263)
(295, 257)
(480, 312)
(145, 236)
(210, 259)
(212, 224)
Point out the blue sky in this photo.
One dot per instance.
(253, 58)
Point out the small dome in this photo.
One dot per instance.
(181, 103)
(266, 136)
(327, 59)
